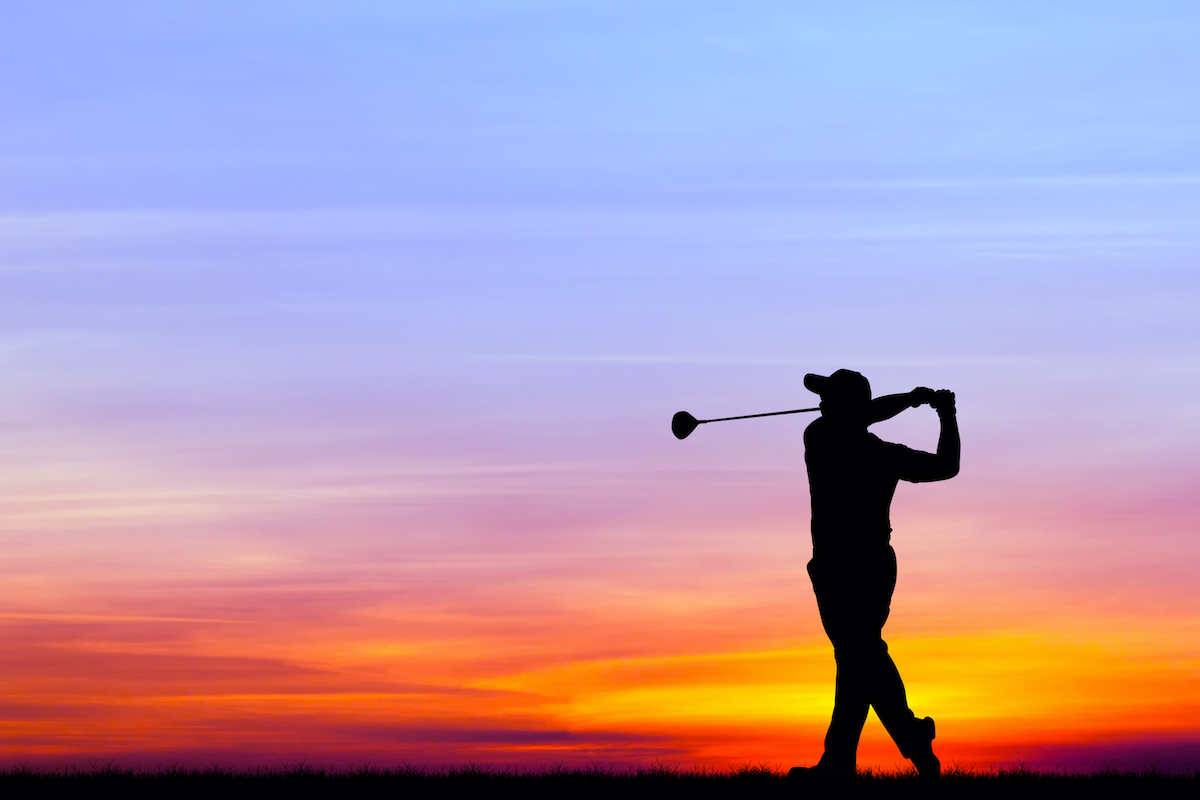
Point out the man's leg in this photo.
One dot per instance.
(840, 604)
(888, 695)
(913, 736)
(852, 700)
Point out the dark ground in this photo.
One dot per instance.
(748, 782)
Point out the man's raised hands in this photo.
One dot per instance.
(921, 395)
(942, 399)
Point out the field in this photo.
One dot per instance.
(597, 782)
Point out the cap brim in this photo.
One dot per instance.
(815, 383)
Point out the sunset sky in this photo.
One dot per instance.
(339, 343)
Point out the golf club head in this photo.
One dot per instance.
(683, 424)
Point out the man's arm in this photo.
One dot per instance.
(890, 405)
(922, 467)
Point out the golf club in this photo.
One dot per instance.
(683, 423)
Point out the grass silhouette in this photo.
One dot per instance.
(597, 781)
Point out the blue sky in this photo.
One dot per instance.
(434, 199)
(617, 208)
(317, 104)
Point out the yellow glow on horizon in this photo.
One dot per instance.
(993, 684)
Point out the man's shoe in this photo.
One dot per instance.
(927, 763)
(822, 769)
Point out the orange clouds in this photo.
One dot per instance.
(147, 688)
(569, 611)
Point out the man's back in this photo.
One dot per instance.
(852, 475)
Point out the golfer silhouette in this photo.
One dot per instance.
(852, 475)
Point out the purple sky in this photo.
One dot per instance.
(403, 296)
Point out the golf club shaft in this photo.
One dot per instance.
(749, 416)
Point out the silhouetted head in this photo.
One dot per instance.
(845, 395)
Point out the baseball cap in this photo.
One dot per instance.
(843, 386)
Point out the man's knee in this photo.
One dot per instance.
(859, 649)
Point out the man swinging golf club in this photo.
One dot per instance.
(852, 475)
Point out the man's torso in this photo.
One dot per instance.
(852, 476)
